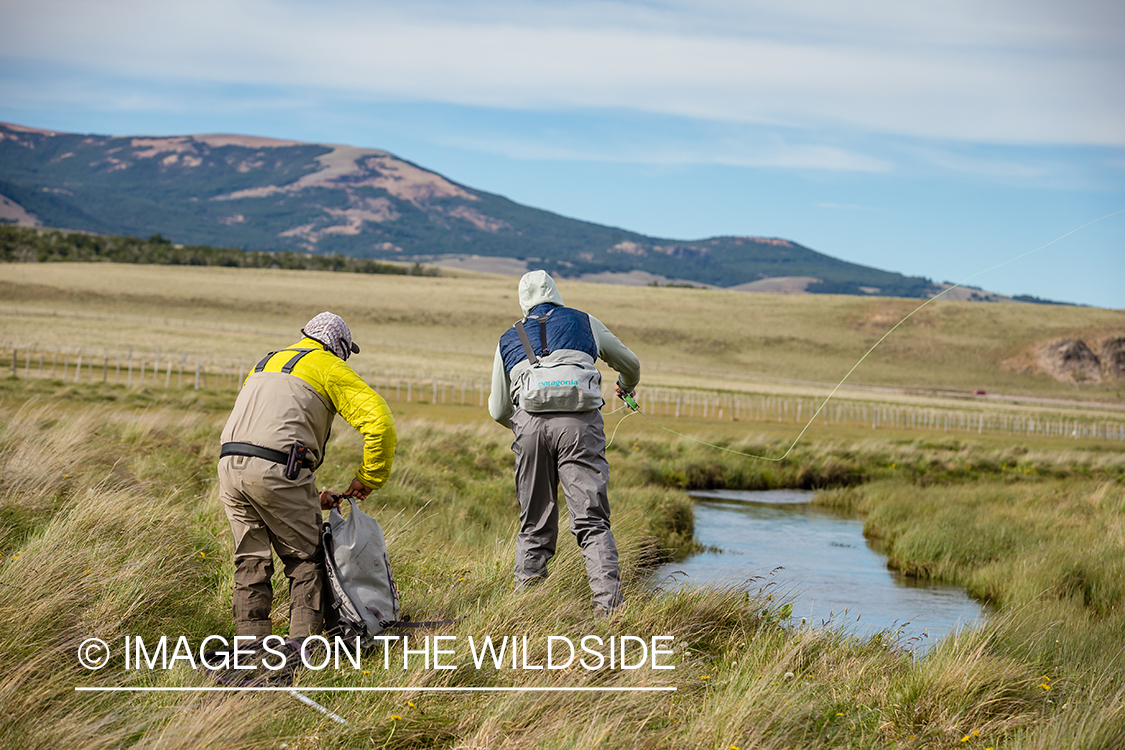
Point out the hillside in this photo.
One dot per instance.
(270, 194)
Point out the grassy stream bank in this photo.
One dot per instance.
(110, 525)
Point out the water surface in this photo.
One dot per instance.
(827, 568)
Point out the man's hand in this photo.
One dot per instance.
(328, 501)
(358, 489)
(622, 393)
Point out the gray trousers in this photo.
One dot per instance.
(567, 448)
(267, 510)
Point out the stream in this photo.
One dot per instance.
(818, 559)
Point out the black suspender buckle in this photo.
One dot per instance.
(521, 331)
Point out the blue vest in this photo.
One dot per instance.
(567, 328)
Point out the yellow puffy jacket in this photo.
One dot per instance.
(275, 409)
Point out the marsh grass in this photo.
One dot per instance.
(112, 526)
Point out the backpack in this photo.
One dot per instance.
(564, 380)
(363, 598)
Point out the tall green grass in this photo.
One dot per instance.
(110, 525)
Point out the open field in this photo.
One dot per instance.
(685, 337)
(110, 524)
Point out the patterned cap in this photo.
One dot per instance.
(331, 330)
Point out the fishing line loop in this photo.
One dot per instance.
(882, 338)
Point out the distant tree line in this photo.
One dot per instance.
(29, 245)
(1040, 301)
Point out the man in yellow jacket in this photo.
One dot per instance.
(273, 441)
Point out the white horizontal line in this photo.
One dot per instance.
(305, 688)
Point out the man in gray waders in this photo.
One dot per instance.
(546, 388)
(273, 441)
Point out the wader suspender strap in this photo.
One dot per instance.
(534, 360)
(288, 367)
(522, 333)
(280, 457)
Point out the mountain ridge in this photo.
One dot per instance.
(273, 194)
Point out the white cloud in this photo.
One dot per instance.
(668, 152)
(1002, 169)
(1000, 71)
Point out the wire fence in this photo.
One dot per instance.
(183, 370)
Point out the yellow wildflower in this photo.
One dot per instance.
(1045, 686)
(396, 717)
(367, 671)
(411, 704)
(705, 677)
(966, 738)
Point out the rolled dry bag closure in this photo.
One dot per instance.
(363, 597)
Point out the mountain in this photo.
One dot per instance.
(271, 194)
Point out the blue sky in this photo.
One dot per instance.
(936, 137)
